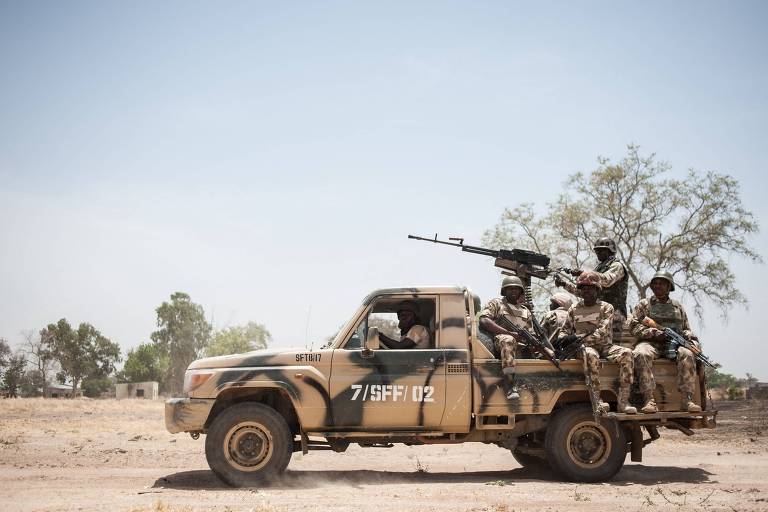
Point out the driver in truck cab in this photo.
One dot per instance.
(412, 333)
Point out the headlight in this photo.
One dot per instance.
(194, 379)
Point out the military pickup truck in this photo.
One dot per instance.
(257, 408)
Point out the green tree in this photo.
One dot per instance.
(5, 354)
(690, 227)
(183, 334)
(94, 387)
(81, 353)
(718, 379)
(239, 339)
(13, 373)
(33, 383)
(147, 362)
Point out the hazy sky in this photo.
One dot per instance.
(269, 158)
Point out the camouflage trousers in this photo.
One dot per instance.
(618, 327)
(615, 354)
(506, 346)
(644, 354)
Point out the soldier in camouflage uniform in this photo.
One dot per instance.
(508, 307)
(614, 280)
(552, 322)
(652, 343)
(593, 319)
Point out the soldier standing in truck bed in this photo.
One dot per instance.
(652, 343)
(614, 280)
(592, 319)
(508, 307)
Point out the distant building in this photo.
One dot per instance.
(148, 390)
(60, 391)
(758, 391)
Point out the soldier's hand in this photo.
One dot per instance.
(659, 336)
(577, 272)
(559, 282)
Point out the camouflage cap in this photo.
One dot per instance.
(563, 300)
(667, 277)
(605, 243)
(589, 278)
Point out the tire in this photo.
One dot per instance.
(248, 444)
(529, 461)
(582, 451)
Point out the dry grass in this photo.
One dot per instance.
(159, 506)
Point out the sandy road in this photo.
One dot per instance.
(109, 455)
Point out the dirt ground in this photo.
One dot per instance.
(116, 455)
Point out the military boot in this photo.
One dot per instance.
(623, 403)
(687, 403)
(650, 404)
(510, 390)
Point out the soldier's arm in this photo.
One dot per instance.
(570, 287)
(548, 323)
(567, 325)
(488, 313)
(636, 327)
(613, 275)
(604, 332)
(396, 344)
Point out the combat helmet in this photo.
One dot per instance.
(511, 281)
(589, 278)
(666, 276)
(605, 243)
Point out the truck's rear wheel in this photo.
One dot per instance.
(247, 444)
(529, 461)
(581, 450)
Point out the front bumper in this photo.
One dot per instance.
(187, 414)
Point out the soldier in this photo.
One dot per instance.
(651, 343)
(552, 322)
(614, 279)
(592, 319)
(511, 307)
(412, 333)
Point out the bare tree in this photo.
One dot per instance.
(39, 357)
(688, 227)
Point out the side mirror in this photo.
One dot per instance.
(371, 342)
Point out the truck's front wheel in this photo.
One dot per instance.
(247, 444)
(581, 450)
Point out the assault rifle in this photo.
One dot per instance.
(675, 341)
(529, 339)
(571, 349)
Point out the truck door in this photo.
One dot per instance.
(392, 389)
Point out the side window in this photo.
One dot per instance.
(387, 323)
(355, 341)
(383, 315)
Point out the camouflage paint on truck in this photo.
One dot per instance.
(450, 392)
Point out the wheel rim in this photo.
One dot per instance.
(248, 446)
(589, 444)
